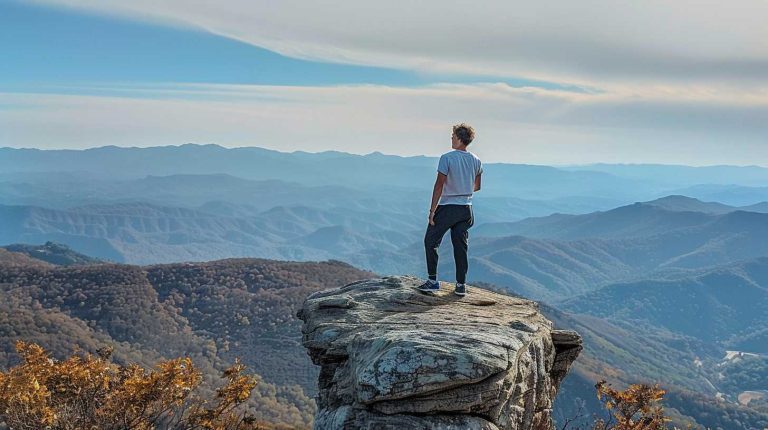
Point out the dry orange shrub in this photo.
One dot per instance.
(636, 408)
(90, 392)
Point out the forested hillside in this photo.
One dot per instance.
(220, 310)
(212, 312)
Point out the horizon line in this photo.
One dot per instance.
(597, 163)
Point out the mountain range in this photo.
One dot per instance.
(725, 305)
(549, 258)
(612, 183)
(115, 245)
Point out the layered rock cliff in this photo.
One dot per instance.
(393, 357)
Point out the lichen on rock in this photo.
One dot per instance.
(393, 357)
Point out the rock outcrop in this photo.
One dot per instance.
(393, 357)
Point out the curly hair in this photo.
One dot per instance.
(464, 132)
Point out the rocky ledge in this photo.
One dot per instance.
(393, 357)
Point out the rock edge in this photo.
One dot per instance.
(394, 357)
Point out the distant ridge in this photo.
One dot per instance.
(683, 175)
(730, 194)
(689, 204)
(325, 168)
(53, 253)
(549, 258)
(18, 259)
(724, 304)
(638, 219)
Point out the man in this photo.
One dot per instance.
(458, 177)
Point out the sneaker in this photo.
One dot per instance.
(461, 290)
(430, 286)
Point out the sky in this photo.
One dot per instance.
(548, 82)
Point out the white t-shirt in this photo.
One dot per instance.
(461, 167)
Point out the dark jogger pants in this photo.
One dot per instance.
(457, 218)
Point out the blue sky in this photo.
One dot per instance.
(62, 47)
(569, 86)
(47, 47)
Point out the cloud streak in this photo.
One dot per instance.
(590, 42)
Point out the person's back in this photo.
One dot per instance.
(458, 177)
(461, 167)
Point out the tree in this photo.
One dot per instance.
(636, 408)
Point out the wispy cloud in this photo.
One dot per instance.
(589, 42)
(692, 125)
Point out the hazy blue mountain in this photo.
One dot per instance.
(722, 305)
(181, 190)
(586, 253)
(539, 269)
(372, 171)
(340, 240)
(139, 232)
(223, 194)
(145, 233)
(227, 209)
(542, 269)
(682, 203)
(757, 207)
(668, 174)
(505, 209)
(556, 269)
(355, 219)
(636, 220)
(735, 195)
(193, 175)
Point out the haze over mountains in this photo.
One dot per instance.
(372, 171)
(200, 202)
(548, 233)
(659, 283)
(549, 258)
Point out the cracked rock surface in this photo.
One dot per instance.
(394, 357)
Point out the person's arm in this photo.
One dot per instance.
(477, 182)
(437, 191)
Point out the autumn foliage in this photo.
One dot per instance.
(90, 392)
(636, 408)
